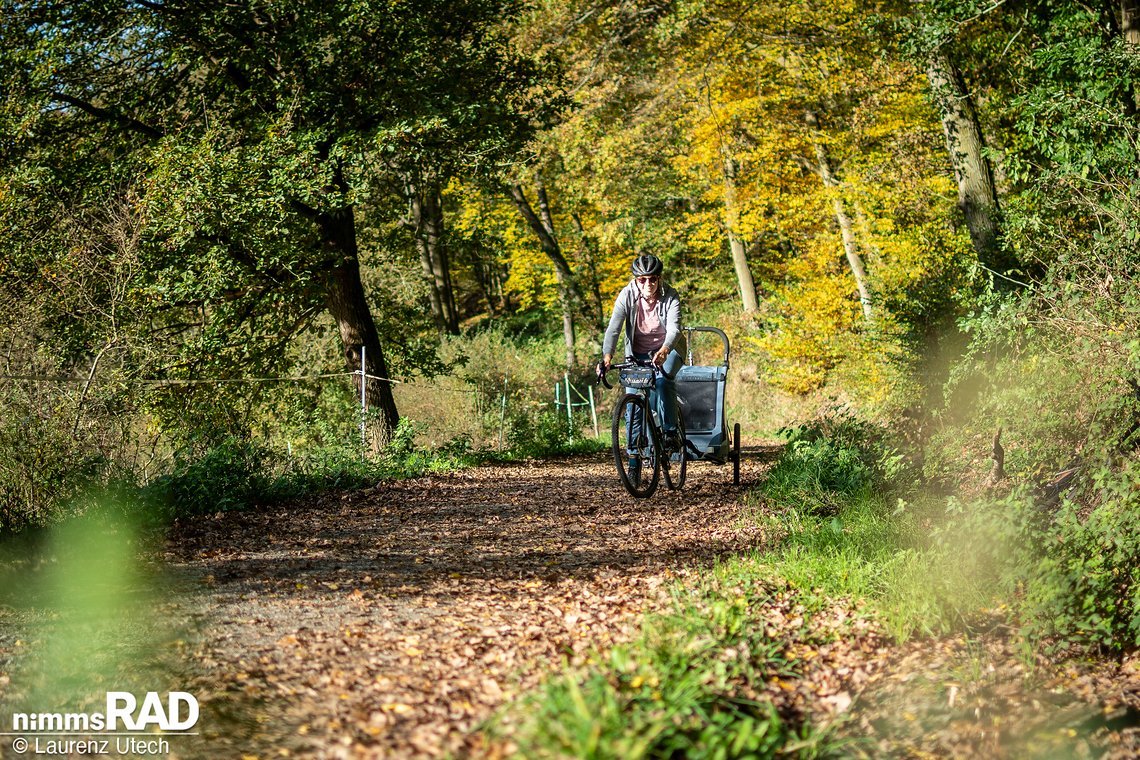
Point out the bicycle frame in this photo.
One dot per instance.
(641, 452)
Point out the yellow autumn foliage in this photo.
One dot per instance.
(713, 119)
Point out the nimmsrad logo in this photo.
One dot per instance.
(179, 713)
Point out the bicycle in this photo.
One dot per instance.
(641, 458)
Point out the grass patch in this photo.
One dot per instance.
(916, 583)
(834, 501)
(692, 684)
(1064, 571)
(241, 474)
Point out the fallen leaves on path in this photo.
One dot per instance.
(389, 622)
(986, 696)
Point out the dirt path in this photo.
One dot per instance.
(389, 622)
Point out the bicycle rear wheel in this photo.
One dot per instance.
(638, 462)
(675, 464)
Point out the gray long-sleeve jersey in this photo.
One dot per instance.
(625, 308)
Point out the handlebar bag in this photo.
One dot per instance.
(637, 377)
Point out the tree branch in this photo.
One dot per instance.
(549, 244)
(129, 122)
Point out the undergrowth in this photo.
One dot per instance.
(237, 474)
(301, 440)
(1081, 585)
(849, 522)
(241, 474)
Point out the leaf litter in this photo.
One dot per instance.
(393, 621)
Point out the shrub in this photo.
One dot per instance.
(230, 475)
(838, 454)
(1083, 589)
(844, 530)
(43, 466)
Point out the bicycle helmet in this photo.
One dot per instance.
(646, 264)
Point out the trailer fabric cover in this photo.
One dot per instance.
(701, 394)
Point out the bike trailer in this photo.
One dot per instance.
(701, 395)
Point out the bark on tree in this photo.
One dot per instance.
(868, 237)
(590, 256)
(846, 228)
(544, 229)
(977, 196)
(426, 205)
(496, 276)
(735, 245)
(1130, 21)
(997, 471)
(484, 277)
(344, 296)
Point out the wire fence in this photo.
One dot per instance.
(567, 396)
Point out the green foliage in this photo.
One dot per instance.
(1054, 377)
(1055, 366)
(546, 431)
(923, 566)
(60, 447)
(44, 467)
(247, 171)
(839, 454)
(242, 474)
(684, 688)
(513, 379)
(494, 362)
(228, 476)
(1065, 574)
(1083, 589)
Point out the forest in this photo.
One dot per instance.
(266, 253)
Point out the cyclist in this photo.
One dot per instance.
(650, 312)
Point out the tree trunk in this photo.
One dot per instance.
(427, 218)
(544, 206)
(590, 256)
(1130, 21)
(498, 275)
(977, 196)
(440, 258)
(484, 277)
(868, 235)
(846, 228)
(567, 293)
(346, 302)
(735, 245)
(434, 298)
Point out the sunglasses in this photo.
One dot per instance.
(647, 280)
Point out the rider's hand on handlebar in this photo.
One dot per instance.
(602, 368)
(660, 356)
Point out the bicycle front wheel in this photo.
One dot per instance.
(636, 454)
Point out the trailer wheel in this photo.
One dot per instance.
(736, 454)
